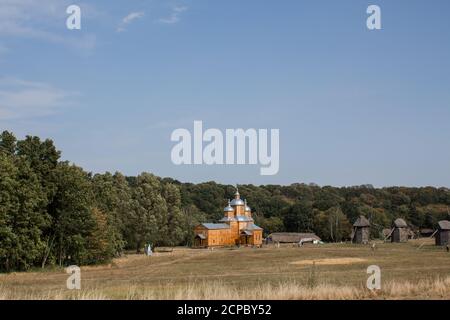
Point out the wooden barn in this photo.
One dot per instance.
(400, 231)
(443, 233)
(290, 237)
(361, 230)
(235, 228)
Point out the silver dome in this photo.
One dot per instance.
(237, 202)
(228, 208)
(247, 208)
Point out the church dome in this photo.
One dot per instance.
(228, 208)
(247, 208)
(237, 202)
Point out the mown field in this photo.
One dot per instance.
(413, 270)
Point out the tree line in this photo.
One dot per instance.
(54, 213)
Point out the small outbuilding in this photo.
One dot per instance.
(400, 231)
(361, 230)
(443, 233)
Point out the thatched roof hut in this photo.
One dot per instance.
(443, 233)
(400, 223)
(291, 237)
(361, 230)
(426, 232)
(361, 222)
(400, 231)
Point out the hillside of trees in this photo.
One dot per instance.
(53, 213)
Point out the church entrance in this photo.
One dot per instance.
(245, 238)
(200, 241)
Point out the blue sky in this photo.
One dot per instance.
(353, 106)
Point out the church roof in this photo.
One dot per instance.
(244, 219)
(226, 219)
(252, 226)
(215, 226)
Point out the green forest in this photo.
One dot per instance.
(54, 213)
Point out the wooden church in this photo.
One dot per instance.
(235, 228)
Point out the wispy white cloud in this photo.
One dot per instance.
(26, 99)
(42, 20)
(174, 16)
(129, 19)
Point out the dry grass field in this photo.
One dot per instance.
(331, 271)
